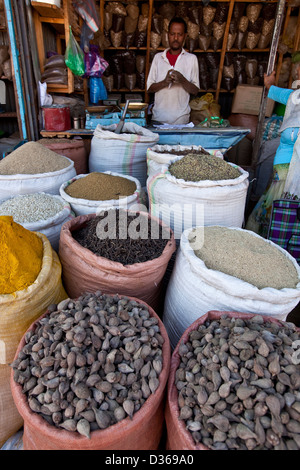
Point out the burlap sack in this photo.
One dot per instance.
(84, 271)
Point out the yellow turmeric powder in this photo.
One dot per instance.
(21, 255)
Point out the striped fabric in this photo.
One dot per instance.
(284, 228)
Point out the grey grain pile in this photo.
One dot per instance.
(246, 257)
(31, 207)
(193, 167)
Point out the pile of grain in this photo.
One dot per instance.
(195, 167)
(246, 257)
(32, 158)
(31, 207)
(101, 187)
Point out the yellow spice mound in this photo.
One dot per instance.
(21, 254)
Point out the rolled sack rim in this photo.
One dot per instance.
(249, 291)
(124, 425)
(115, 266)
(93, 203)
(45, 272)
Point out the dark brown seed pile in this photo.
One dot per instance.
(90, 362)
(127, 250)
(238, 384)
(203, 167)
(184, 152)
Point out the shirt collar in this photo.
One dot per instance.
(164, 54)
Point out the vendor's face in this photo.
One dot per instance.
(176, 36)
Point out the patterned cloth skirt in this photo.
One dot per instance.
(259, 218)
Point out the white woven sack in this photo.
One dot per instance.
(85, 206)
(184, 204)
(51, 227)
(14, 185)
(124, 153)
(156, 160)
(194, 289)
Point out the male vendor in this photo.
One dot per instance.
(173, 77)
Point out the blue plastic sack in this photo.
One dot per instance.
(97, 90)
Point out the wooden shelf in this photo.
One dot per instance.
(11, 114)
(47, 10)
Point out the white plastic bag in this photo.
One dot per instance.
(194, 290)
(292, 183)
(124, 153)
(85, 206)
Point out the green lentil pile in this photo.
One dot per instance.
(193, 167)
(31, 207)
(101, 187)
(247, 257)
(32, 158)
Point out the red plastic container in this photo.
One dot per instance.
(57, 118)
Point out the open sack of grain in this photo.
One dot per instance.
(30, 281)
(92, 193)
(33, 168)
(160, 155)
(234, 385)
(124, 153)
(198, 190)
(113, 388)
(127, 252)
(223, 268)
(39, 212)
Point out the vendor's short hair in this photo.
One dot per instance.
(178, 19)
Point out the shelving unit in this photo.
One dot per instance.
(16, 80)
(60, 19)
(222, 51)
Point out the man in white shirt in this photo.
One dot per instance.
(173, 77)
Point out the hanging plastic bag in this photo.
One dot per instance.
(74, 56)
(97, 90)
(95, 65)
(292, 183)
(88, 11)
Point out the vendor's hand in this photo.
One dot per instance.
(168, 78)
(177, 77)
(269, 80)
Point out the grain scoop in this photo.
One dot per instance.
(122, 120)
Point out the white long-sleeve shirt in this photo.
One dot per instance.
(171, 105)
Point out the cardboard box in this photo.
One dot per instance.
(247, 100)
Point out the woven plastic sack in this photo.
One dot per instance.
(51, 226)
(124, 153)
(74, 56)
(84, 271)
(194, 289)
(181, 204)
(178, 438)
(20, 309)
(82, 206)
(13, 185)
(158, 156)
(142, 432)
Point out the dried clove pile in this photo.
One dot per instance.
(90, 362)
(129, 250)
(239, 384)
